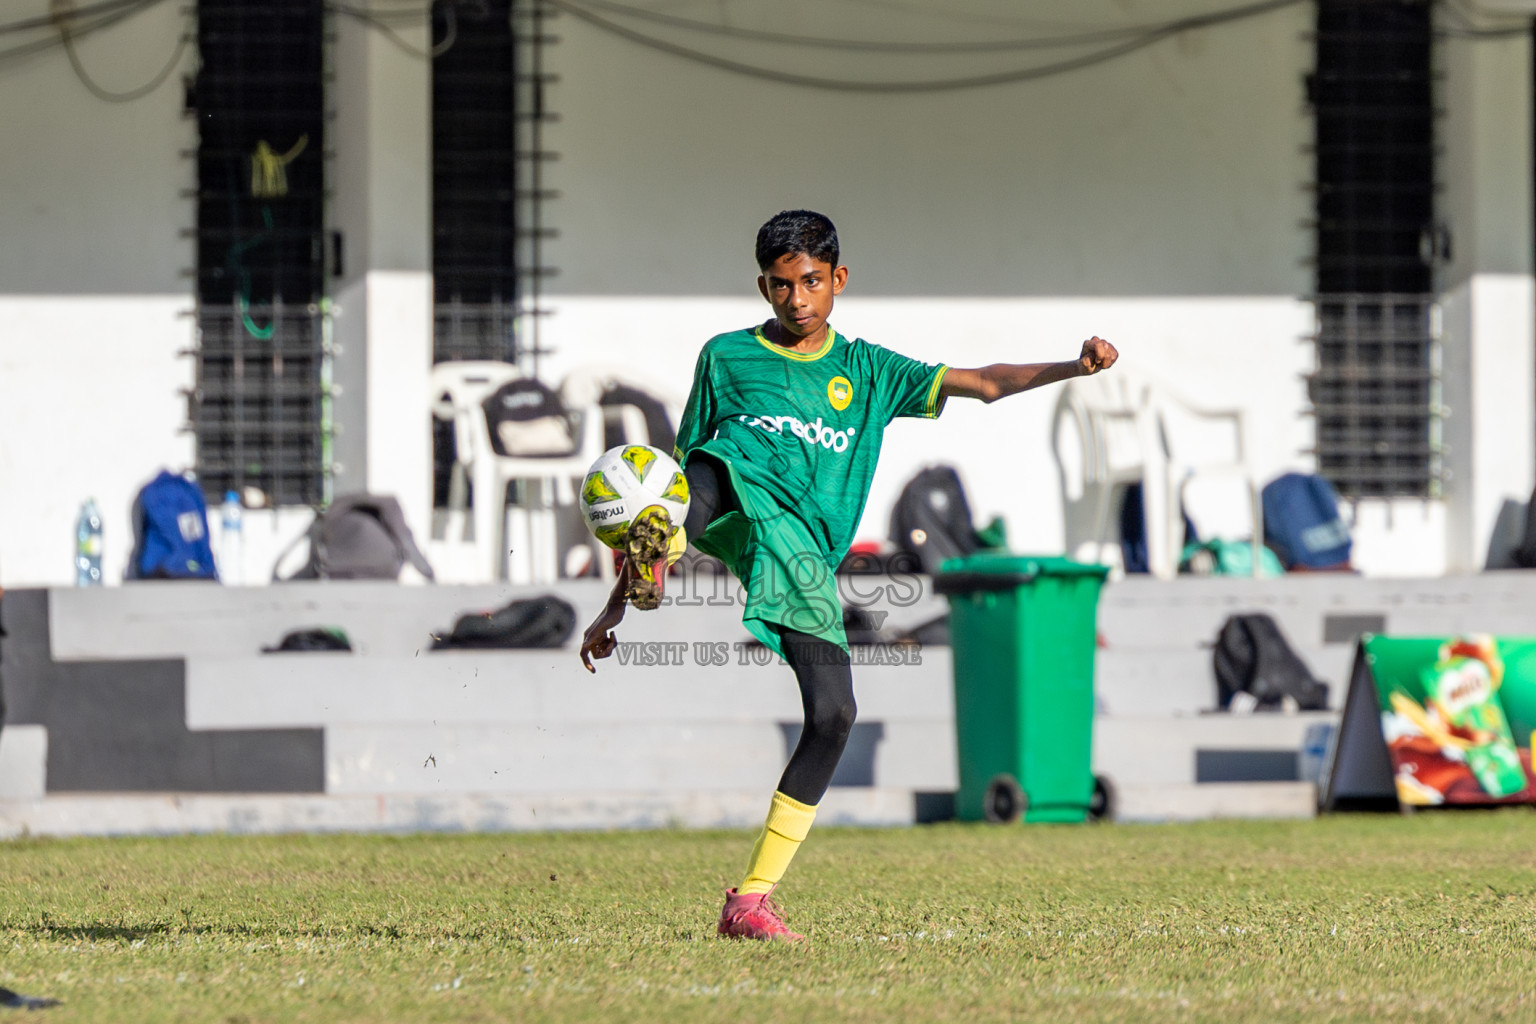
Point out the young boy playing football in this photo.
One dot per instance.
(779, 441)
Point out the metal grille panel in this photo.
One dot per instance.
(1374, 394)
(1375, 391)
(488, 110)
(259, 408)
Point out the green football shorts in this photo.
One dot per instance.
(787, 581)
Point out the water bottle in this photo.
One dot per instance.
(231, 540)
(88, 546)
(1314, 751)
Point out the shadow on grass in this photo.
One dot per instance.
(102, 932)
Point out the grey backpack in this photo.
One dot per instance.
(360, 537)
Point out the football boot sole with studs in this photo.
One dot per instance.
(646, 547)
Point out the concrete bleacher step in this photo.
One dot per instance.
(1183, 681)
(419, 739)
(158, 619)
(152, 619)
(1202, 802)
(548, 687)
(23, 762)
(1316, 610)
(1153, 682)
(1209, 748)
(105, 814)
(533, 721)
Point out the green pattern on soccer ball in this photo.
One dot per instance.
(613, 534)
(597, 489)
(639, 458)
(677, 490)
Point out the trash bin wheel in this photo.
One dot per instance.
(1005, 800)
(1103, 804)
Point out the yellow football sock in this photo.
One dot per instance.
(788, 822)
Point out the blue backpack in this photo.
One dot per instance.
(170, 528)
(1302, 523)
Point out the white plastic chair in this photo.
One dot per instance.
(1114, 426)
(1128, 430)
(1204, 446)
(458, 391)
(550, 481)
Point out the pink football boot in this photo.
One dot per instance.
(753, 916)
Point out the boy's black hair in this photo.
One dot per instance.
(801, 232)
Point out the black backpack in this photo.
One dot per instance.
(526, 419)
(360, 537)
(1252, 657)
(931, 520)
(860, 627)
(1524, 554)
(316, 638)
(546, 621)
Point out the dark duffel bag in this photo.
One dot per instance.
(546, 621)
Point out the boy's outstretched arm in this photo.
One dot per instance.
(598, 640)
(989, 383)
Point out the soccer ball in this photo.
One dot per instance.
(624, 482)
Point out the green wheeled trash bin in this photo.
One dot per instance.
(1023, 635)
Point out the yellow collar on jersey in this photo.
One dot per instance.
(802, 357)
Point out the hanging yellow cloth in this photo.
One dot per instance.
(269, 179)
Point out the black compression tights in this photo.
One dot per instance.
(709, 494)
(821, 667)
(826, 693)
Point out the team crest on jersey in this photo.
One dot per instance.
(839, 392)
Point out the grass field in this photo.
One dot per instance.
(1429, 918)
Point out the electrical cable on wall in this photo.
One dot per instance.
(63, 14)
(1047, 42)
(70, 24)
(67, 24)
(47, 21)
(380, 23)
(53, 40)
(1132, 38)
(1147, 36)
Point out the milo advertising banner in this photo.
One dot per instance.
(1433, 721)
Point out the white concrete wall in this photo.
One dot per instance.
(93, 300)
(92, 404)
(91, 190)
(383, 322)
(1486, 164)
(1489, 301)
(383, 332)
(1490, 381)
(1175, 171)
(1157, 200)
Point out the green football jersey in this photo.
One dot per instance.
(802, 430)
